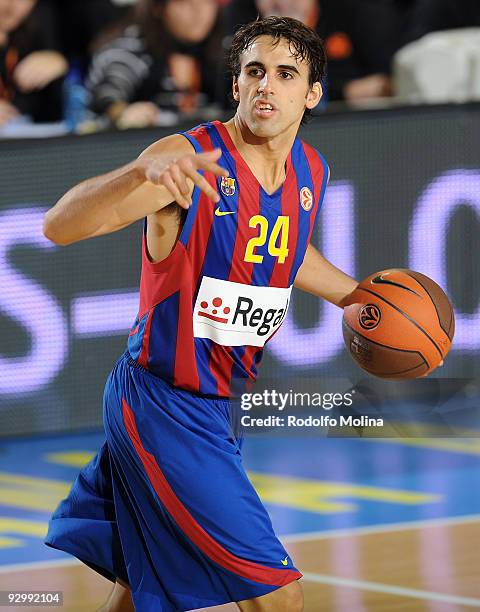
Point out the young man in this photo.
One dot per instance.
(165, 509)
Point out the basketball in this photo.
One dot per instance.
(398, 324)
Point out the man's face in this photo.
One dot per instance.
(190, 20)
(272, 89)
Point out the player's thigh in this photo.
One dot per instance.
(120, 600)
(285, 599)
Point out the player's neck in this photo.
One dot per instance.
(266, 157)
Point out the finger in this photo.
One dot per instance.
(214, 168)
(169, 183)
(180, 180)
(187, 167)
(206, 161)
(204, 186)
(212, 155)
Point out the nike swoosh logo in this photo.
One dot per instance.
(379, 280)
(222, 213)
(285, 561)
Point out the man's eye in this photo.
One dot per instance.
(286, 75)
(254, 72)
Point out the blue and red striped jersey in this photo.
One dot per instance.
(208, 309)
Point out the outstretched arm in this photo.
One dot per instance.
(318, 276)
(166, 172)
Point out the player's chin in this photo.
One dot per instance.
(265, 128)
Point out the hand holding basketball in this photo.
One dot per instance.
(398, 324)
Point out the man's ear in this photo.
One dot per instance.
(314, 95)
(235, 92)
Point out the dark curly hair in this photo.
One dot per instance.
(305, 45)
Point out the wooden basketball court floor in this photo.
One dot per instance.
(372, 524)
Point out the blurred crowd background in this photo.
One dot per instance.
(98, 64)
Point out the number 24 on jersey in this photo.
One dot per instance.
(277, 243)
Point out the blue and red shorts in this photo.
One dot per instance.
(166, 505)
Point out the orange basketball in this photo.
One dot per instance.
(398, 324)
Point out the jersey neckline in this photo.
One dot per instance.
(227, 139)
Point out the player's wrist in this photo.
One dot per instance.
(346, 300)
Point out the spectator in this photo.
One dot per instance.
(360, 38)
(164, 61)
(31, 66)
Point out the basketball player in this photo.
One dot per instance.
(165, 509)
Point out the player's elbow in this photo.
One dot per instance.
(52, 233)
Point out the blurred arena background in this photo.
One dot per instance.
(375, 521)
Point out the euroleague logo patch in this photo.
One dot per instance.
(306, 198)
(369, 316)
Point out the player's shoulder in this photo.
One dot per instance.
(201, 130)
(181, 143)
(201, 136)
(174, 144)
(316, 160)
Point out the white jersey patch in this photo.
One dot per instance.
(233, 314)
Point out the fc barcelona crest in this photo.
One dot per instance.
(227, 185)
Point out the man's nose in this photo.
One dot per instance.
(265, 84)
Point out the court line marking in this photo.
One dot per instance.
(312, 577)
(292, 538)
(384, 527)
(391, 589)
(18, 567)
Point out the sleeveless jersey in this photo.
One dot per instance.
(207, 310)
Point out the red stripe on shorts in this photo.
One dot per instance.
(193, 530)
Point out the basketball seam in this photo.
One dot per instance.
(435, 306)
(450, 327)
(392, 348)
(393, 283)
(406, 316)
